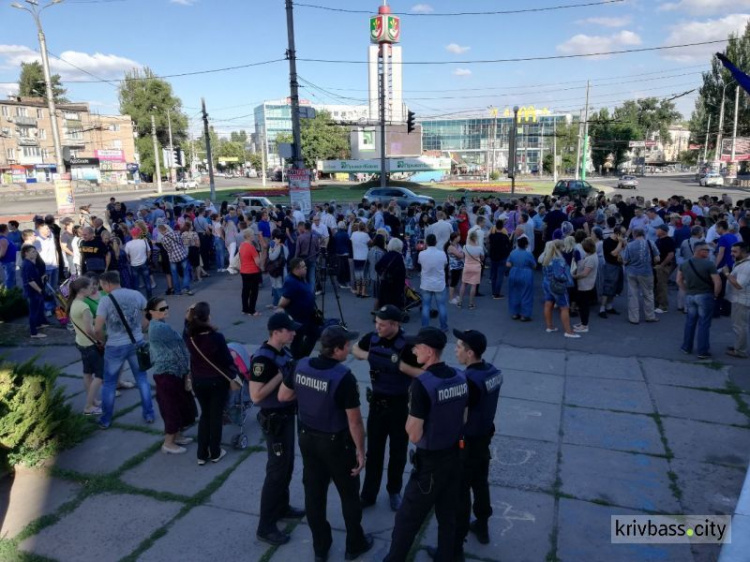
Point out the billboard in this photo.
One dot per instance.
(741, 150)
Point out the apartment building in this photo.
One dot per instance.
(95, 147)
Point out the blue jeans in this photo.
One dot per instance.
(141, 273)
(114, 358)
(36, 311)
(441, 298)
(53, 279)
(174, 267)
(10, 274)
(497, 273)
(312, 268)
(700, 311)
(221, 253)
(276, 296)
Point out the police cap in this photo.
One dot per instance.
(282, 321)
(335, 337)
(473, 339)
(429, 336)
(389, 312)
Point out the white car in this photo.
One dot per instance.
(253, 203)
(712, 179)
(627, 182)
(185, 184)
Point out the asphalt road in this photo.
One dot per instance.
(649, 187)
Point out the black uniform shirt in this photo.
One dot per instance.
(407, 353)
(474, 393)
(347, 393)
(263, 369)
(419, 400)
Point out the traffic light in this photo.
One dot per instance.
(177, 160)
(410, 126)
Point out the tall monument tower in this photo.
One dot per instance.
(384, 59)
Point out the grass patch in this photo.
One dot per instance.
(601, 501)
(238, 322)
(660, 426)
(674, 485)
(736, 392)
(552, 554)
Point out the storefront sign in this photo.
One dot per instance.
(84, 162)
(110, 155)
(394, 165)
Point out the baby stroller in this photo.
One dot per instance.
(239, 403)
(412, 300)
(61, 304)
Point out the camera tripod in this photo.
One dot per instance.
(326, 268)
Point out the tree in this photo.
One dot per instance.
(238, 136)
(31, 83)
(712, 92)
(142, 94)
(322, 139)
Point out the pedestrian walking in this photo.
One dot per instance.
(700, 281)
(663, 270)
(585, 275)
(500, 248)
(738, 293)
(484, 381)
(177, 255)
(556, 281)
(92, 357)
(170, 361)
(639, 257)
(298, 300)
(276, 265)
(612, 274)
(521, 266)
(250, 270)
(270, 364)
(455, 254)
(432, 283)
(437, 409)
(472, 271)
(331, 439)
(392, 367)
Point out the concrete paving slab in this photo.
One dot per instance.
(80, 535)
(105, 451)
(178, 474)
(128, 399)
(708, 442)
(28, 495)
(527, 464)
(73, 370)
(737, 550)
(611, 430)
(697, 405)
(603, 366)
(527, 359)
(708, 488)
(525, 418)
(584, 533)
(70, 385)
(532, 386)
(222, 535)
(626, 479)
(300, 548)
(679, 373)
(608, 394)
(241, 491)
(520, 527)
(58, 355)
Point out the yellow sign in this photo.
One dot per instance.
(527, 113)
(223, 159)
(64, 194)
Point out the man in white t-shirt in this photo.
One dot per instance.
(433, 262)
(442, 230)
(298, 215)
(138, 251)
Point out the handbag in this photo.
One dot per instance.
(142, 351)
(99, 345)
(234, 383)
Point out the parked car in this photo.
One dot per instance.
(404, 197)
(253, 203)
(712, 179)
(573, 188)
(181, 200)
(185, 184)
(428, 177)
(627, 182)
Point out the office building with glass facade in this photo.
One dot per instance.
(477, 144)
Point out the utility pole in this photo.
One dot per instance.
(209, 156)
(578, 145)
(705, 144)
(263, 155)
(720, 135)
(585, 134)
(157, 166)
(171, 147)
(541, 153)
(734, 132)
(294, 88)
(512, 141)
(383, 74)
(554, 150)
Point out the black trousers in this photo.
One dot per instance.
(206, 243)
(435, 481)
(274, 498)
(387, 421)
(304, 341)
(342, 269)
(250, 286)
(326, 458)
(476, 467)
(212, 396)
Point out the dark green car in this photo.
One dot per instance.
(573, 188)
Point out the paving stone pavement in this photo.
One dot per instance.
(585, 430)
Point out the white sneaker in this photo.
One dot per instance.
(659, 311)
(176, 451)
(222, 454)
(454, 300)
(581, 329)
(574, 336)
(550, 330)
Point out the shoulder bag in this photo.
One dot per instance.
(234, 383)
(99, 345)
(142, 351)
(699, 276)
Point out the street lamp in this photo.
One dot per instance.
(35, 12)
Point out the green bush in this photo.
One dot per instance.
(12, 304)
(494, 175)
(35, 421)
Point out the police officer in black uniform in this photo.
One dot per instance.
(484, 382)
(392, 366)
(270, 364)
(438, 400)
(331, 439)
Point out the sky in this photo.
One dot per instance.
(106, 38)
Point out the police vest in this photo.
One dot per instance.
(284, 362)
(384, 361)
(10, 252)
(316, 390)
(482, 415)
(448, 399)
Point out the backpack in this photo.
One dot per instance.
(275, 268)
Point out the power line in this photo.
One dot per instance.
(446, 14)
(527, 59)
